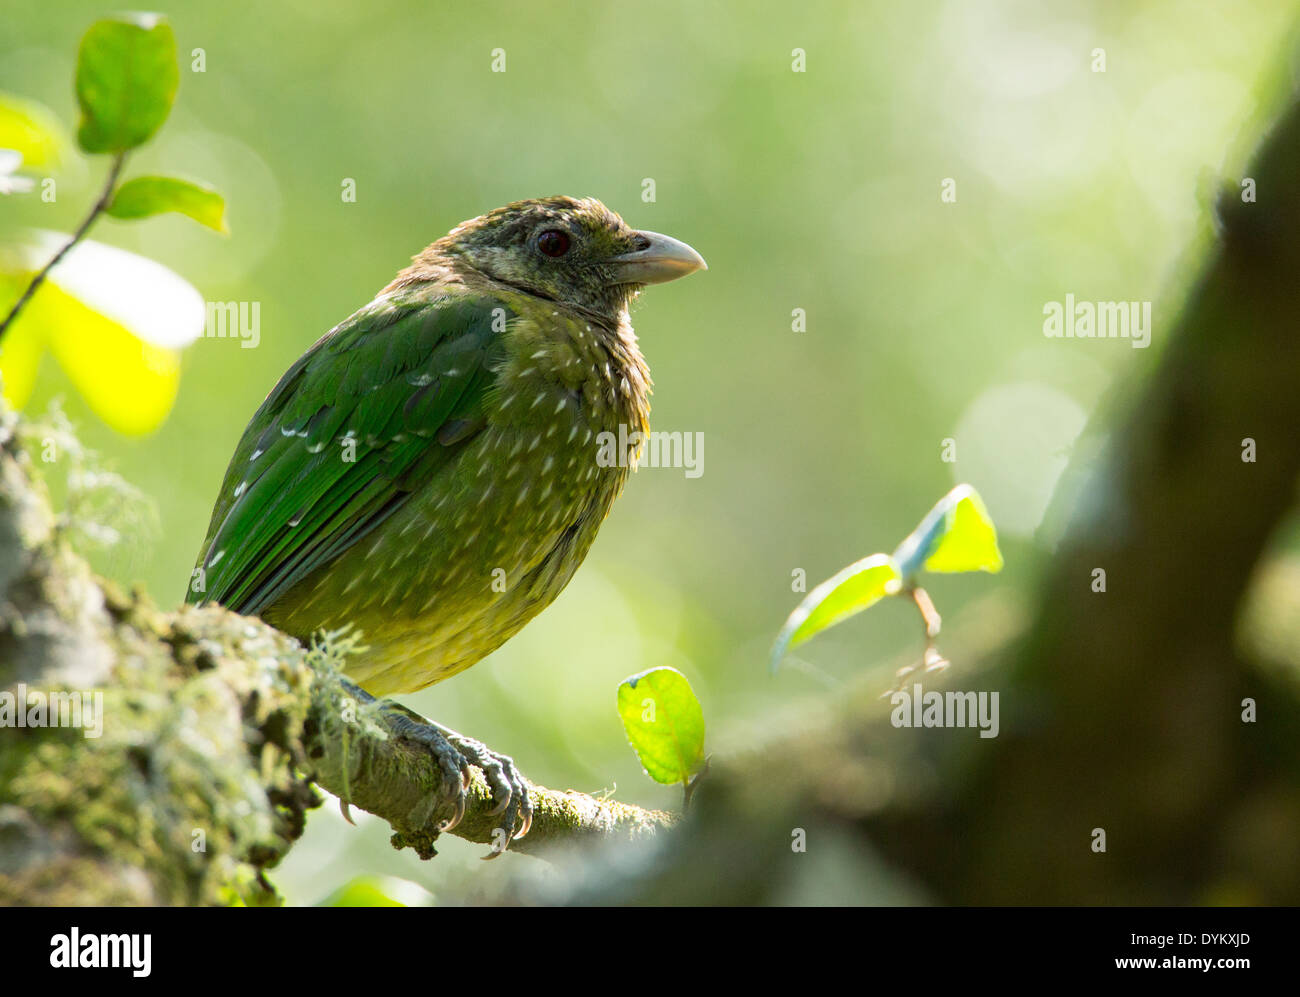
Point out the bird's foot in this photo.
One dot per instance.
(454, 754)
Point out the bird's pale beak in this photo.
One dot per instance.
(663, 259)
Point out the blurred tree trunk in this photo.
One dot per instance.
(1128, 704)
(1121, 711)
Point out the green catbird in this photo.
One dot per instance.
(428, 471)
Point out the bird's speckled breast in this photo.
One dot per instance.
(498, 533)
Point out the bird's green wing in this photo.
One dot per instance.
(362, 419)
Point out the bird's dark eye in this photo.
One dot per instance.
(553, 243)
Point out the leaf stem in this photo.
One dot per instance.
(928, 613)
(691, 784)
(105, 196)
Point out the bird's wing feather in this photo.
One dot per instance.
(403, 379)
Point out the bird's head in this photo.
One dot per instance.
(569, 250)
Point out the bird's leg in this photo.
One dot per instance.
(454, 754)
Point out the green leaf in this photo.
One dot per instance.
(664, 724)
(956, 535)
(126, 81)
(845, 594)
(145, 196)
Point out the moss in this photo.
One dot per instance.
(193, 778)
(193, 789)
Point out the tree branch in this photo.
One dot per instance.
(215, 727)
(372, 766)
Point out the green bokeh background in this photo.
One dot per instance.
(817, 190)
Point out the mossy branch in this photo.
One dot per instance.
(215, 729)
(355, 751)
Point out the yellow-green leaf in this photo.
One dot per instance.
(20, 349)
(956, 535)
(145, 196)
(845, 594)
(126, 81)
(113, 320)
(139, 294)
(664, 724)
(379, 891)
(970, 542)
(128, 382)
(31, 130)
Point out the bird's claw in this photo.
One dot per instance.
(456, 777)
(454, 754)
(509, 790)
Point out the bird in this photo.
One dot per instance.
(428, 472)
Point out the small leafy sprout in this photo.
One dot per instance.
(126, 80)
(956, 535)
(665, 726)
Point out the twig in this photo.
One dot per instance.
(105, 196)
